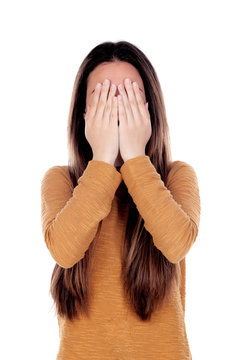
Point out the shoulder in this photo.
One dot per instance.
(56, 170)
(181, 170)
(56, 175)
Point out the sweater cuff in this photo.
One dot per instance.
(103, 175)
(135, 169)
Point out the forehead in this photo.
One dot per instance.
(116, 72)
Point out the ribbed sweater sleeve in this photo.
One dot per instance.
(171, 211)
(70, 217)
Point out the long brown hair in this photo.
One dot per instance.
(147, 275)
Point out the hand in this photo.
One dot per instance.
(101, 128)
(134, 122)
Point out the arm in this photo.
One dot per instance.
(171, 212)
(70, 217)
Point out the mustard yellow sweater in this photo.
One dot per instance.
(70, 219)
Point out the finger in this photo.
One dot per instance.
(122, 112)
(94, 102)
(102, 100)
(109, 104)
(132, 99)
(126, 104)
(113, 114)
(141, 106)
(85, 114)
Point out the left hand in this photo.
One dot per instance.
(134, 122)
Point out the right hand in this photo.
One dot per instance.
(101, 125)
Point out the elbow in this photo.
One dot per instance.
(65, 265)
(64, 260)
(182, 244)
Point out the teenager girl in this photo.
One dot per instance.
(121, 217)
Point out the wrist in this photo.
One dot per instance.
(101, 158)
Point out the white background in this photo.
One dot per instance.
(197, 50)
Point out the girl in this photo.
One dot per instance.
(121, 217)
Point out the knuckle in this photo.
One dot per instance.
(102, 102)
(133, 102)
(107, 106)
(96, 125)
